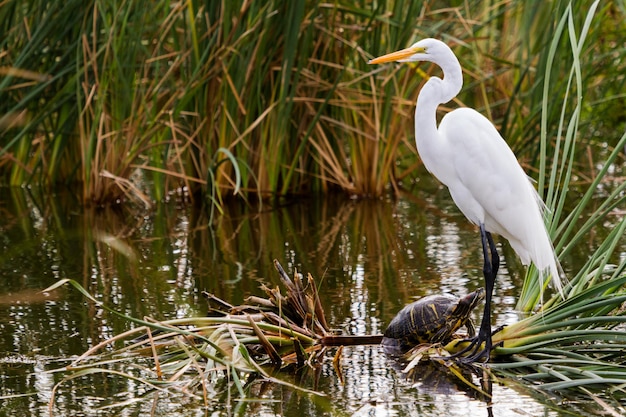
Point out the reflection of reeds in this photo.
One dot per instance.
(268, 98)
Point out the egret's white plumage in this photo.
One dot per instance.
(469, 156)
(489, 186)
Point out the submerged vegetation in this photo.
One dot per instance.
(275, 98)
(276, 332)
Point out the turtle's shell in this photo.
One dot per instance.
(433, 319)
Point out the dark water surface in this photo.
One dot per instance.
(371, 257)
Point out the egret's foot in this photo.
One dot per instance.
(498, 329)
(476, 355)
(474, 344)
(473, 353)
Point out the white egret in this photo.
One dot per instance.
(469, 156)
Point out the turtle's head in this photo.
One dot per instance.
(470, 301)
(475, 297)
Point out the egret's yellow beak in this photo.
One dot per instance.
(396, 56)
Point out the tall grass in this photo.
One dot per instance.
(557, 165)
(266, 99)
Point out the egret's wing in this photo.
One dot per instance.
(490, 186)
(489, 183)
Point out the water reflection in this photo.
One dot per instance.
(371, 258)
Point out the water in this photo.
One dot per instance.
(372, 258)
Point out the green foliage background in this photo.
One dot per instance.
(273, 98)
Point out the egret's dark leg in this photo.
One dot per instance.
(490, 270)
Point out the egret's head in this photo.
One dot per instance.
(424, 50)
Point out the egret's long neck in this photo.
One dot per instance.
(436, 91)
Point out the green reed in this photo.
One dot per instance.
(268, 99)
(557, 159)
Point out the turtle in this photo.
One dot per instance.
(432, 319)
